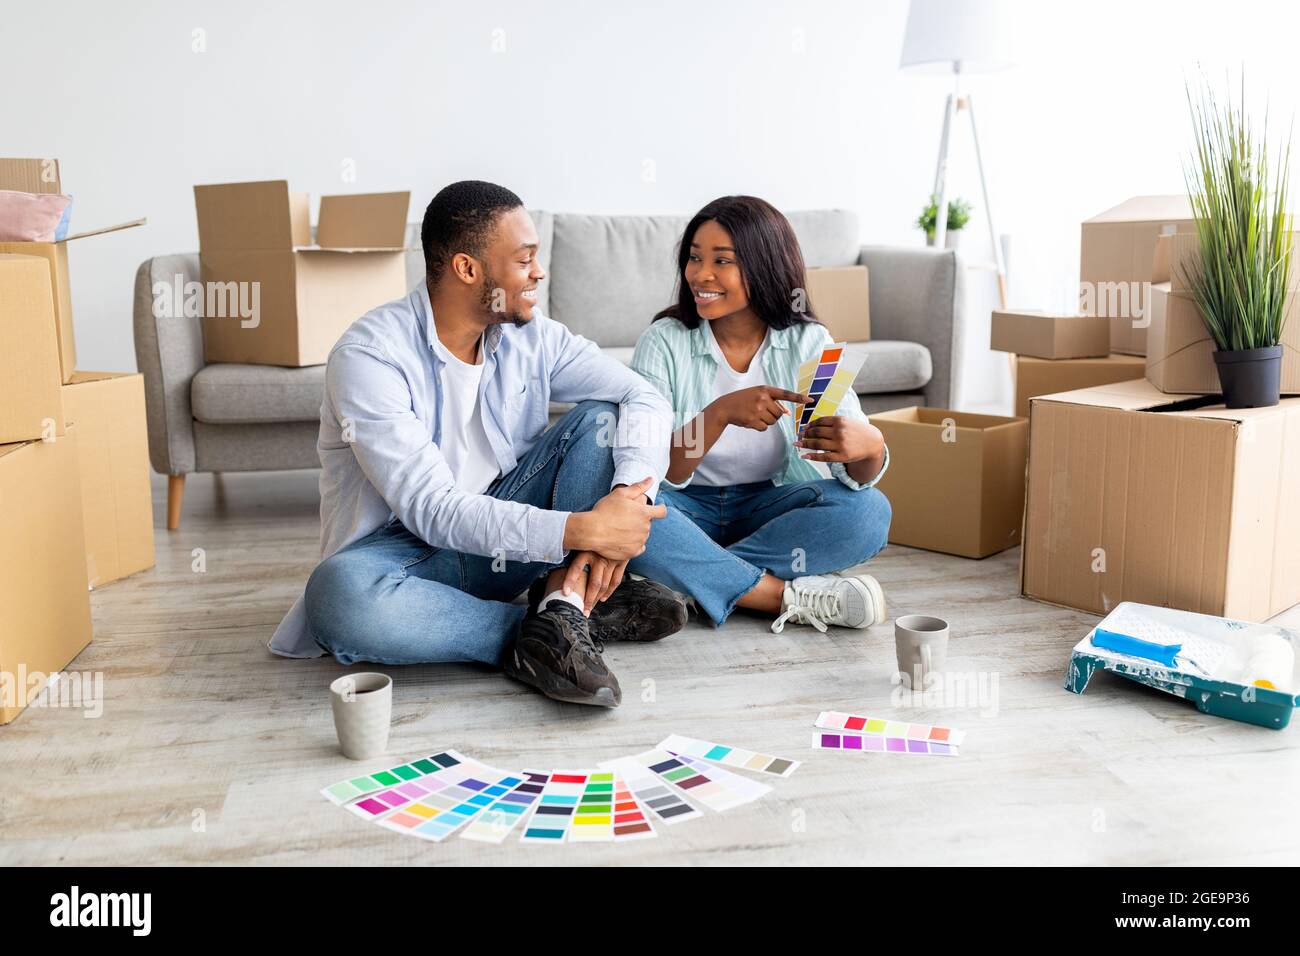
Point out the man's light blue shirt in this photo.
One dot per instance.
(381, 428)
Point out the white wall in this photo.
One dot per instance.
(799, 101)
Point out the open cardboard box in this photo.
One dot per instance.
(1171, 500)
(1117, 259)
(271, 297)
(956, 480)
(42, 176)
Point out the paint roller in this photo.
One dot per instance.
(1270, 662)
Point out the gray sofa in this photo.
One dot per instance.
(224, 417)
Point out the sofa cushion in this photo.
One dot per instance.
(611, 274)
(893, 366)
(231, 394)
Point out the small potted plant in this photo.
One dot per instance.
(958, 215)
(1240, 282)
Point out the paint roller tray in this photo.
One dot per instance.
(1219, 698)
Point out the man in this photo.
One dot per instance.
(444, 495)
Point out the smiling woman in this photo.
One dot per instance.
(751, 522)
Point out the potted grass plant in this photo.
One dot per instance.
(958, 215)
(1240, 282)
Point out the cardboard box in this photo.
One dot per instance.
(273, 298)
(1116, 262)
(1180, 352)
(841, 300)
(31, 405)
(1035, 376)
(956, 480)
(42, 176)
(1050, 336)
(44, 600)
(107, 409)
(1171, 500)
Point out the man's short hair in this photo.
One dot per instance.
(460, 219)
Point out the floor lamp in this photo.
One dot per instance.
(957, 37)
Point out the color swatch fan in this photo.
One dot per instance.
(825, 379)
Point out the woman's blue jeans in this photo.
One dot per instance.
(716, 543)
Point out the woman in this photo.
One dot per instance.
(751, 523)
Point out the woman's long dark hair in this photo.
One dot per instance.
(770, 260)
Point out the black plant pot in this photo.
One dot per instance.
(1251, 378)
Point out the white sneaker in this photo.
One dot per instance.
(843, 600)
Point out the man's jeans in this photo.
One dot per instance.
(391, 598)
(716, 543)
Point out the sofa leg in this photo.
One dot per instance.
(175, 492)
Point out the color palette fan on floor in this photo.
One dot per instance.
(448, 793)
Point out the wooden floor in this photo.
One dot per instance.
(212, 751)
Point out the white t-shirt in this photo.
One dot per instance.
(740, 455)
(464, 443)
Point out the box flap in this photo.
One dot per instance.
(1140, 395)
(99, 232)
(1147, 209)
(245, 216)
(30, 175)
(367, 221)
(85, 378)
(12, 447)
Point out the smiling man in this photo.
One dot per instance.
(444, 495)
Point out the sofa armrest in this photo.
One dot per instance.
(919, 295)
(168, 352)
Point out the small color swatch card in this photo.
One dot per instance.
(862, 743)
(711, 786)
(729, 756)
(652, 793)
(630, 820)
(496, 822)
(552, 818)
(593, 818)
(825, 379)
(876, 726)
(348, 790)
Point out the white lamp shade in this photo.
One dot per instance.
(946, 36)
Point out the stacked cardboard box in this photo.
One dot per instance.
(1180, 352)
(1057, 352)
(1148, 489)
(1117, 264)
(73, 465)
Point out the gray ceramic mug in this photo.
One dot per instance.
(363, 710)
(921, 645)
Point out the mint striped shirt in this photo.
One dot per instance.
(679, 363)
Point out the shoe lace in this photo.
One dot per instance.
(810, 606)
(584, 639)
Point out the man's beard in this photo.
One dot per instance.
(490, 291)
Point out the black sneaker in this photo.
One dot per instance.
(555, 654)
(638, 610)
